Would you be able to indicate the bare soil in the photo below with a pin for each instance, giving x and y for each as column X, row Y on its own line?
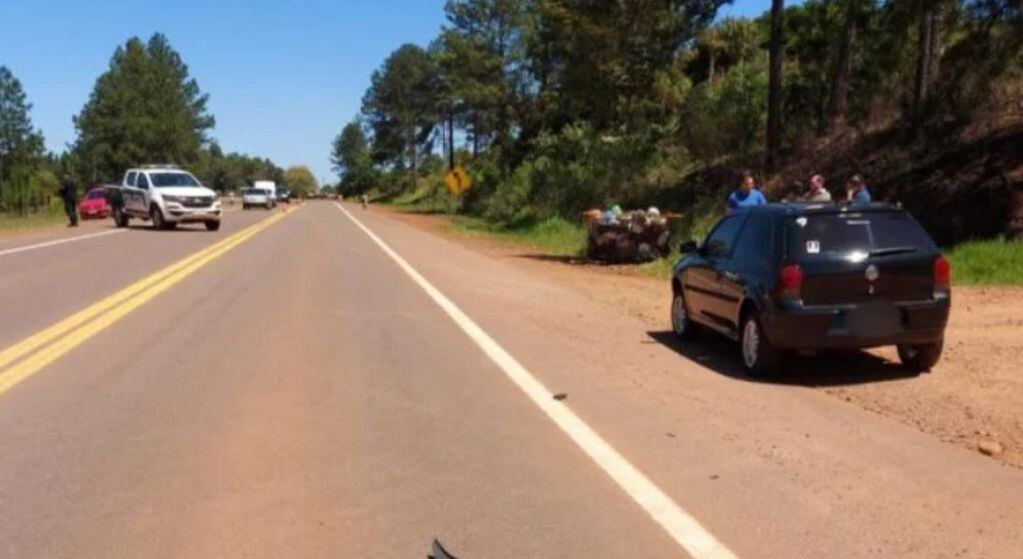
column 973, row 396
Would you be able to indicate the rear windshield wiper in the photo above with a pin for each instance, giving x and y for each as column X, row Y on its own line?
column 892, row 250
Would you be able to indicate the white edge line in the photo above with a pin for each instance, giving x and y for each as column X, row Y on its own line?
column 58, row 242
column 679, row 524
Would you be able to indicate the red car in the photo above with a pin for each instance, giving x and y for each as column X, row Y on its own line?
column 94, row 204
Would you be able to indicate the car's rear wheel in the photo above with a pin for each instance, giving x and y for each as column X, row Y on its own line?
column 156, row 217
column 759, row 357
column 921, row 358
column 212, row 225
column 681, row 325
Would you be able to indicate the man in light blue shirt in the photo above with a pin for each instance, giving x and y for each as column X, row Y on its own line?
column 746, row 196
column 856, row 191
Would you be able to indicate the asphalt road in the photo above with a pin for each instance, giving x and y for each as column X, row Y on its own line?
column 300, row 385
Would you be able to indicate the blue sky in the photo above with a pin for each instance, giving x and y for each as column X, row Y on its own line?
column 283, row 76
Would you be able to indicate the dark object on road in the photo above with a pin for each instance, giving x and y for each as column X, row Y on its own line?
column 561, row 397
column 439, row 552
column 616, row 237
column 69, row 192
column 805, row 277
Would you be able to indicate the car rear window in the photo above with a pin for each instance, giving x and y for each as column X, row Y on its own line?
column 846, row 234
column 254, row 191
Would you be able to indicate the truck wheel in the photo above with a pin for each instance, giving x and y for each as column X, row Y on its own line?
column 120, row 218
column 759, row 357
column 213, row 226
column 156, row 217
column 921, row 358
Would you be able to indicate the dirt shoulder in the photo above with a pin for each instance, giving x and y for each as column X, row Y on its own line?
column 973, row 396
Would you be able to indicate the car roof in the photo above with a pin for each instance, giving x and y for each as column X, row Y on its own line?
column 796, row 209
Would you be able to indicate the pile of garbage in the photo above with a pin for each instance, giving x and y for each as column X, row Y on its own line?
column 626, row 237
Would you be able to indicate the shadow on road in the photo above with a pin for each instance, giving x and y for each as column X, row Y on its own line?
column 828, row 368
column 559, row 258
column 179, row 229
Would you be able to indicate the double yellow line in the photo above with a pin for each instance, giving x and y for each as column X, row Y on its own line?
column 74, row 330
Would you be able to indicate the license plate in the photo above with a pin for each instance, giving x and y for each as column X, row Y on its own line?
column 880, row 318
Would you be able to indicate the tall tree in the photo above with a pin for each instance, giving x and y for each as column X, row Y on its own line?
column 480, row 53
column 145, row 108
column 839, row 103
column 402, row 106
column 352, row 160
column 774, row 101
column 301, row 180
column 601, row 59
column 21, row 146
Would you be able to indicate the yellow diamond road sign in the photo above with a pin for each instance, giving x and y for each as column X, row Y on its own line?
column 458, row 180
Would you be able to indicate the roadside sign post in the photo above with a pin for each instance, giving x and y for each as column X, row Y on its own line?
column 457, row 180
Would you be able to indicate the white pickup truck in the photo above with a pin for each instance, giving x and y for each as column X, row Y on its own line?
column 165, row 196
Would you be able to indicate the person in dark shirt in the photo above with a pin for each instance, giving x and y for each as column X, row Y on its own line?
column 69, row 193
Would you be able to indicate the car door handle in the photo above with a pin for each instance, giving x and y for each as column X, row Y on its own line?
column 732, row 277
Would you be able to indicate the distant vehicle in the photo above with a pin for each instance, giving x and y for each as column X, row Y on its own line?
column 94, row 204
column 165, row 195
column 269, row 186
column 256, row 197
column 800, row 277
column 284, row 195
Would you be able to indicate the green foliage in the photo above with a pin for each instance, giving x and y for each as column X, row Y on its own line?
column 353, row 160
column 726, row 116
column 21, row 147
column 301, row 181
column 401, row 106
column 144, row 109
column 561, row 105
column 994, row 262
column 233, row 171
column 553, row 234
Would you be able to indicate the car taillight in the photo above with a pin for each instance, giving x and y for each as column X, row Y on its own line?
column 790, row 281
column 942, row 275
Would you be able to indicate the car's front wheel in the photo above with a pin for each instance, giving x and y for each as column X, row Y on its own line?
column 759, row 357
column 921, row 358
column 681, row 324
column 156, row 217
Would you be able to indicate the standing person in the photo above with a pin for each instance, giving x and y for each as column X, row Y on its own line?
column 856, row 191
column 365, row 200
column 69, row 193
column 746, row 196
column 817, row 193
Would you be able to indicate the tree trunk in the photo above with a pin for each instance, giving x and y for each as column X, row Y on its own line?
column 774, row 85
column 935, row 45
column 710, row 68
column 843, row 69
column 413, row 158
column 451, row 141
column 923, row 56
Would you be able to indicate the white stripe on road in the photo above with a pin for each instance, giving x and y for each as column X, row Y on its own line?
column 58, row 242
column 679, row 524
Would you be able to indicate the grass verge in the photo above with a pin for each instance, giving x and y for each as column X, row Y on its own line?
column 554, row 235
column 15, row 223
column 993, row 262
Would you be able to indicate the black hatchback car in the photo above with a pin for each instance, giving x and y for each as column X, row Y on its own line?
column 806, row 277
